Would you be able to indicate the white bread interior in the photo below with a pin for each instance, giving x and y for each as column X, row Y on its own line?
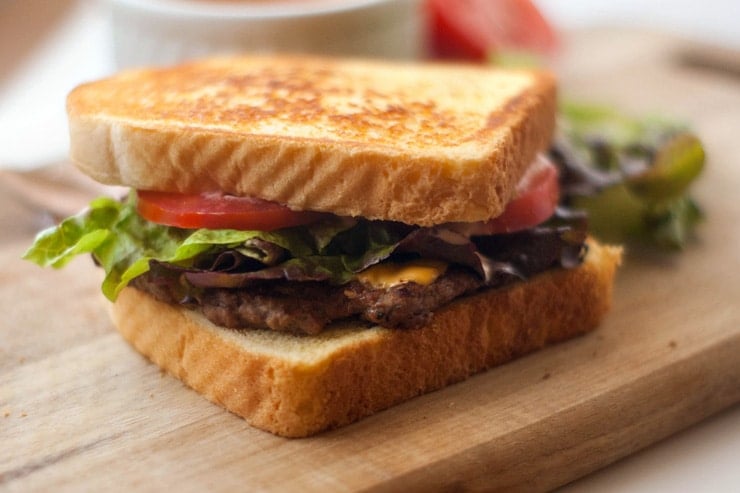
column 297, row 386
column 375, row 139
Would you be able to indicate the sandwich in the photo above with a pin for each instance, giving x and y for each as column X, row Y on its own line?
column 307, row 241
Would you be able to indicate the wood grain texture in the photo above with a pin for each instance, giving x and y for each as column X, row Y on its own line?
column 80, row 409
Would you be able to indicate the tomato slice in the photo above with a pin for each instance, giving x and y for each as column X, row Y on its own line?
column 473, row 29
column 218, row 211
column 537, row 197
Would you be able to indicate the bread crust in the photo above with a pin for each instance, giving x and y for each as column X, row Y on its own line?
column 296, row 386
column 421, row 144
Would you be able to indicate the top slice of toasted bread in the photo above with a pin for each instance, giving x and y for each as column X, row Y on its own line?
column 418, row 143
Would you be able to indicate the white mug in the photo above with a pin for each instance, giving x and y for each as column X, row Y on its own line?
column 157, row 32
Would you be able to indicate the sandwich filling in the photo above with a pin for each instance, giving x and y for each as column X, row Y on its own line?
column 301, row 276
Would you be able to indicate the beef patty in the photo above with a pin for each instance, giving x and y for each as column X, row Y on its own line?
column 308, row 306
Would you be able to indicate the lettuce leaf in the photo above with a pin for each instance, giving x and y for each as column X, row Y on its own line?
column 632, row 175
column 127, row 246
column 120, row 241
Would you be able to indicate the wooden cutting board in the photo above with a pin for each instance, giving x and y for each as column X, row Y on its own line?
column 79, row 409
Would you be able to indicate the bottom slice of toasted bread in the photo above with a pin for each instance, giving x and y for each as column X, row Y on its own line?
column 297, row 386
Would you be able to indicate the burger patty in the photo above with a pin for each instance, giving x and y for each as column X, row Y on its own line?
column 308, row 307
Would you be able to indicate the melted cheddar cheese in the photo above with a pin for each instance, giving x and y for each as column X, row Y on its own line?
column 389, row 274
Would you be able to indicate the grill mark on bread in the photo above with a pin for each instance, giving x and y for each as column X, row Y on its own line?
column 431, row 126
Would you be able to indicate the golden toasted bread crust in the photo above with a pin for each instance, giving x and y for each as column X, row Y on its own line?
column 296, row 386
column 422, row 144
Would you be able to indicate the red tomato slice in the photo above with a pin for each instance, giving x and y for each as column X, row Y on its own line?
column 472, row 29
column 536, row 201
column 218, row 211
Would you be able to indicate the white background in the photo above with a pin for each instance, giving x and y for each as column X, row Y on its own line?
column 716, row 21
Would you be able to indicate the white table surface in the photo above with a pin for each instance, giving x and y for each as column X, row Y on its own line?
column 45, row 52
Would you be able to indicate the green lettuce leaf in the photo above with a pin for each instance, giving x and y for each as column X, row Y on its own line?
column 632, row 175
column 124, row 245
column 127, row 246
column 116, row 236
